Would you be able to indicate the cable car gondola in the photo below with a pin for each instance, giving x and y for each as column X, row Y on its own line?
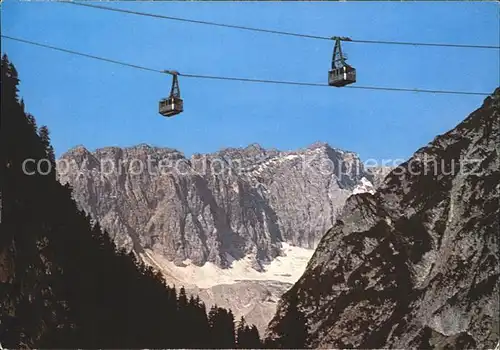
column 173, row 104
column 341, row 73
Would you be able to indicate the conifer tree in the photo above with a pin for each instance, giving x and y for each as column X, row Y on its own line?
column 45, row 139
column 241, row 332
column 247, row 336
column 183, row 302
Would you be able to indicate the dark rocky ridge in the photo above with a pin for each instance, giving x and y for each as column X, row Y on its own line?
column 416, row 264
column 237, row 201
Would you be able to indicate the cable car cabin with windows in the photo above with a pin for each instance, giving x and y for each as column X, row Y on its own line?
column 341, row 73
column 173, row 104
column 342, row 76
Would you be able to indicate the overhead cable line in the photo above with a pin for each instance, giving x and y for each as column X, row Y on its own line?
column 196, row 21
column 236, row 78
column 280, row 32
column 79, row 53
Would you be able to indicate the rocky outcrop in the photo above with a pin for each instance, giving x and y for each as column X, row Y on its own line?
column 414, row 265
column 232, row 203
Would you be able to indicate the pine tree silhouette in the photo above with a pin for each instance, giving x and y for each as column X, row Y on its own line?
column 247, row 337
column 241, row 333
column 43, row 132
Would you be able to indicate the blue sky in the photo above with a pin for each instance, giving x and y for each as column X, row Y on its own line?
column 99, row 104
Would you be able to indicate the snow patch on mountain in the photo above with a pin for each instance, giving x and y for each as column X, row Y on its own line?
column 287, row 269
column 364, row 186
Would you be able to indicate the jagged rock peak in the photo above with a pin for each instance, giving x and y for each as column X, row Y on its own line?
column 78, row 154
column 254, row 147
column 325, row 146
column 77, row 150
column 319, row 144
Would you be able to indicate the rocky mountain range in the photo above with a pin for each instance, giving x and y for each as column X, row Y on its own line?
column 214, row 207
column 414, row 265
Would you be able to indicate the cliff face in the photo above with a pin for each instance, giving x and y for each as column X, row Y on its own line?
column 214, row 207
column 414, row 265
